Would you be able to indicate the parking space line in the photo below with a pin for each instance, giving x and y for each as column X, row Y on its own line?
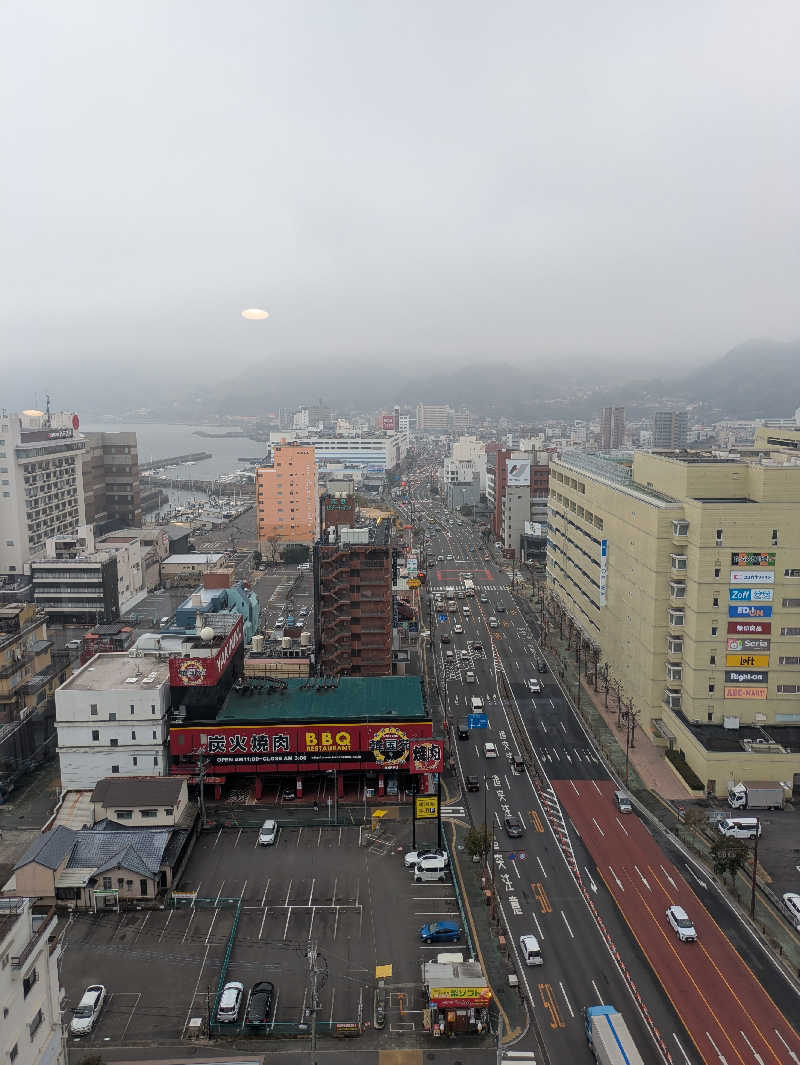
column 288, row 893
column 263, row 922
column 286, row 926
column 238, row 837
column 141, row 926
column 133, row 1010
column 188, row 926
column 219, row 893
column 217, row 838
column 335, row 885
column 333, row 999
column 311, row 923
column 244, row 886
column 336, row 923
column 194, row 993
column 213, row 921
column 299, row 835
column 266, row 889
column 275, row 1008
column 311, row 893
column 319, row 836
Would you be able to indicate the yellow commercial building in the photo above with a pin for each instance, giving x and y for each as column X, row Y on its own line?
column 685, row 571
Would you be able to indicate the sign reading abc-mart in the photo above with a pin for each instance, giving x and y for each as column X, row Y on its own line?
column 250, row 748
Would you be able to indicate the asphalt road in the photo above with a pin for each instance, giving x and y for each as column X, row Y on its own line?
column 548, row 881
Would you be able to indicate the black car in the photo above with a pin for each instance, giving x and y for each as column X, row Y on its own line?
column 444, row 638
column 541, row 665
column 513, row 826
column 259, row 1005
column 473, row 783
column 463, row 729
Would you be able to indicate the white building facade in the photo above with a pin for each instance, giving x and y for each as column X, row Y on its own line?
column 30, row 1032
column 111, row 718
column 41, row 483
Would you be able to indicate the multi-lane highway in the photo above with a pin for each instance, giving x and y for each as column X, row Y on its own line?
column 592, row 885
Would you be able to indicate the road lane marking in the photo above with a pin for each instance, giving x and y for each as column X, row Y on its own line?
column 624, row 829
column 540, row 895
column 539, row 860
column 720, row 1055
column 591, row 881
column 619, row 882
column 549, row 1003
column 566, row 922
column 756, row 1055
column 642, row 878
column 792, row 1054
column 564, row 993
column 599, row 829
column 666, row 874
column 536, row 821
column 266, row 889
column 685, row 1055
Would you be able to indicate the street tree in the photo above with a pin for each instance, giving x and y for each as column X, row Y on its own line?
column 477, row 841
column 728, row 855
column 273, row 543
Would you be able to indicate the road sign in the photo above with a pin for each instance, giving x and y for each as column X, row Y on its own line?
column 441, row 617
column 427, row 806
column 478, row 720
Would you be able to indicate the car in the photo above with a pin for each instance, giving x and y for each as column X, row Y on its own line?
column 288, row 794
column 472, row 782
column 494, row 623
column 281, row 620
column 466, row 576
column 485, row 558
column 449, row 558
column 259, row 1004
column 458, row 629
column 541, row 665
column 444, row 638
column 449, row 655
column 484, row 597
column 791, row 905
column 682, row 926
column 85, row 1014
column 412, row 857
column 500, row 607
column 467, row 611
column 73, row 645
column 230, row 1002
column 531, row 951
column 489, row 750
column 534, row 686
column 513, row 826
column 462, row 728
column 268, row 833
column 440, row 932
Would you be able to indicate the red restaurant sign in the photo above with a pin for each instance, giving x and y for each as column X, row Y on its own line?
column 409, row 746
column 193, row 672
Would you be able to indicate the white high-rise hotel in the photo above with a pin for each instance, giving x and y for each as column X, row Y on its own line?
column 41, row 483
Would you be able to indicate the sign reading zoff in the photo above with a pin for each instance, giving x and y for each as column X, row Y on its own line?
column 752, row 576
column 753, row 558
column 750, row 595
column 427, row 806
column 603, row 570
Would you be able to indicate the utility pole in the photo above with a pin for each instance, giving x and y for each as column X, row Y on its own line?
column 755, row 870
column 317, row 972
column 201, row 772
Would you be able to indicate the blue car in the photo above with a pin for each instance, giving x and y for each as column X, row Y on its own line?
column 440, row 932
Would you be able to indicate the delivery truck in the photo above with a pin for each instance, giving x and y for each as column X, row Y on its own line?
column 755, row 795
column 608, row 1037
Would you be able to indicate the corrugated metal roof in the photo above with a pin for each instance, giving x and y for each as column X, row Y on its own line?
column 346, row 699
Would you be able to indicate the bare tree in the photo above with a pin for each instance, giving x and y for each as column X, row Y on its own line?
column 273, row 541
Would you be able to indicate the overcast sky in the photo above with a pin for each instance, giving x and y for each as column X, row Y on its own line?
column 433, row 180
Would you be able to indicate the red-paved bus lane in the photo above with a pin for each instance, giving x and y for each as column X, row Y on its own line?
column 729, row 1016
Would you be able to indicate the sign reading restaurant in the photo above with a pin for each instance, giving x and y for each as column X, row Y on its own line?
column 753, row 558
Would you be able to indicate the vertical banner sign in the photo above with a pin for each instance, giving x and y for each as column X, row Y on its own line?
column 603, row 570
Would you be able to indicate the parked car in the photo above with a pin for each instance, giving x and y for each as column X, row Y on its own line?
column 85, row 1014
column 412, row 857
column 530, row 949
column 440, row 932
column 230, row 1002
column 791, row 906
column 472, row 782
column 682, row 926
column 73, row 645
column 259, row 1004
column 513, row 826
column 489, row 750
column 281, row 620
column 268, row 833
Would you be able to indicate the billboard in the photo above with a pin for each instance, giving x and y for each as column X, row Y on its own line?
column 427, row 806
column 371, row 746
column 746, row 676
column 753, row 558
column 750, row 595
column 743, row 644
column 519, row 474
column 387, row 422
column 205, row 671
column 453, row 998
column 29, row 436
column 745, row 693
column 745, row 659
column 749, row 611
column 749, row 628
column 752, row 576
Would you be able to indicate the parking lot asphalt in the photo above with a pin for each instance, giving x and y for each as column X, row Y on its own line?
column 343, row 889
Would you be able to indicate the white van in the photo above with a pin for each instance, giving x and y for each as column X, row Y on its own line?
column 530, row 950
column 469, row 677
column 494, row 623
column 740, row 827
column 430, row 869
column 476, row 704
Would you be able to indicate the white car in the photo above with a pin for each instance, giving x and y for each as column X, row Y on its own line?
column 85, row 1014
column 230, row 1002
column 412, row 857
column 791, row 904
column 268, row 833
column 281, row 620
column 682, row 926
column 489, row 750
column 534, row 686
column 530, row 950
column 458, row 629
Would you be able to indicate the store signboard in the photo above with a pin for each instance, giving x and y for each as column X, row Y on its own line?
column 746, row 676
column 749, row 628
column 603, row 570
column 745, row 693
column 427, row 806
column 753, row 558
column 752, row 576
column 742, row 611
column 750, row 595
column 747, row 661
column 742, row 643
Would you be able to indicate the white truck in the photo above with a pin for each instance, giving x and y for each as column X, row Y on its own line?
column 755, row 795
column 608, row 1037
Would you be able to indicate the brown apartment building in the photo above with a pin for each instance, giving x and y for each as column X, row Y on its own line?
column 288, row 497
column 111, row 481
column 353, row 596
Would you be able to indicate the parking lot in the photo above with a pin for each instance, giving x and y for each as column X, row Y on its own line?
column 341, row 889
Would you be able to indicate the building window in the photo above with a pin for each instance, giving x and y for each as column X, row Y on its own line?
column 113, row 742
column 115, row 769
column 148, row 813
column 152, row 708
column 790, row 630
column 710, row 716
column 93, row 708
column 788, row 689
column 155, row 760
column 674, row 645
column 789, row 660
column 167, row 811
column 33, row 1027
column 712, row 660
column 715, row 601
column 719, row 536
column 680, row 528
column 154, row 734
column 679, row 562
column 714, row 629
column 112, row 717
column 133, row 734
column 676, row 617
column 106, row 883
column 711, row 687
column 135, row 760
column 791, row 604
column 28, row 982
column 716, row 571
column 123, row 815
column 95, row 734
column 791, row 573
column 774, row 537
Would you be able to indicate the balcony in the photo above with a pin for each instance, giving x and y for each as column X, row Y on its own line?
column 675, row 618
column 677, row 589
column 672, row 699
column 679, row 563
column 674, row 673
column 674, row 646
column 680, row 530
